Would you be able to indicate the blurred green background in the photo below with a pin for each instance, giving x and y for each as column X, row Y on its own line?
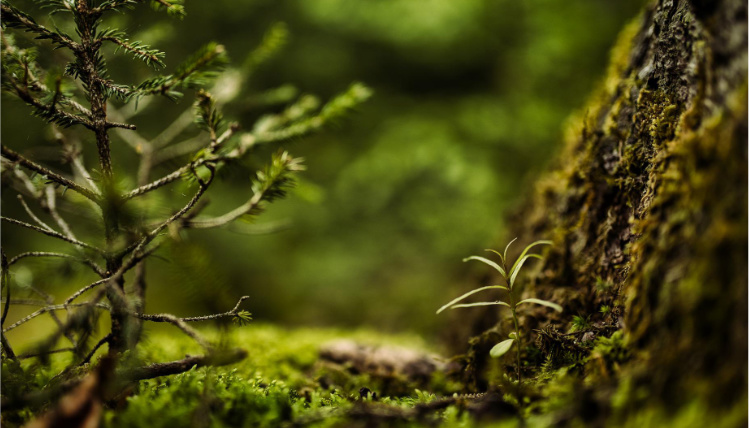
column 469, row 101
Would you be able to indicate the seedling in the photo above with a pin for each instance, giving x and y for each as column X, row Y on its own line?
column 513, row 293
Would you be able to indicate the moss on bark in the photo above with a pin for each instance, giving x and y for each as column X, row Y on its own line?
column 647, row 206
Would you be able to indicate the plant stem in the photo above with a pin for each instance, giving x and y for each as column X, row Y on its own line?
column 514, row 318
column 517, row 336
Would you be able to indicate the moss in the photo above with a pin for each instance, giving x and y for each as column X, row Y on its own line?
column 649, row 197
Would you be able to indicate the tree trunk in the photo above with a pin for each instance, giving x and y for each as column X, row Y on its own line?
column 647, row 208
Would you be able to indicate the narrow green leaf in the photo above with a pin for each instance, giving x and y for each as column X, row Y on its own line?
column 552, row 305
column 470, row 305
column 489, row 262
column 454, row 301
column 514, row 272
column 508, row 247
column 525, row 251
column 501, row 257
column 501, row 348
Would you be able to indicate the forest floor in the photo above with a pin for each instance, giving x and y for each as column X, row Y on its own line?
column 294, row 377
column 325, row 377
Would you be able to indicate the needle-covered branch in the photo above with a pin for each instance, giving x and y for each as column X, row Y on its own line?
column 14, row 18
column 269, row 185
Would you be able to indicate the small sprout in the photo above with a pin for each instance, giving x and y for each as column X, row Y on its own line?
column 580, row 323
column 605, row 309
column 501, row 348
column 509, row 275
column 242, row 318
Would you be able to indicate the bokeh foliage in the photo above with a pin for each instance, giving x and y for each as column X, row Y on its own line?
column 469, row 100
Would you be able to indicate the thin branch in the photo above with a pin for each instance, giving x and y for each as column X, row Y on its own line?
column 46, row 309
column 166, row 317
column 52, row 209
column 180, row 149
column 33, row 216
column 180, row 366
column 232, row 215
column 137, row 50
column 167, row 179
column 16, row 18
column 47, row 111
column 57, row 178
column 174, row 129
column 96, row 268
column 7, row 348
column 39, row 354
column 75, row 295
column 133, row 261
column 50, row 233
column 120, row 125
column 135, row 248
column 21, row 176
column 179, row 323
column 5, row 285
column 96, row 347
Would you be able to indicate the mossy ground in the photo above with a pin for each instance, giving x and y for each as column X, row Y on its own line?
column 283, row 382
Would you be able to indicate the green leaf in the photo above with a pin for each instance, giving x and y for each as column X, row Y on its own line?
column 470, row 305
column 508, row 247
column 489, row 262
column 525, row 251
column 514, row 272
column 552, row 305
column 501, row 257
column 454, row 301
column 501, row 348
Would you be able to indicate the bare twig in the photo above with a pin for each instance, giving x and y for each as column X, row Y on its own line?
column 180, row 366
column 166, row 317
column 179, row 323
column 7, row 348
column 96, row 347
column 232, row 215
column 167, row 179
column 50, row 233
column 52, row 209
column 135, row 248
column 46, row 309
column 33, row 216
column 96, row 268
column 174, row 129
column 39, row 354
column 57, row 178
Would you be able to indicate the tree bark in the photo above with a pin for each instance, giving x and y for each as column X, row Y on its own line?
column 647, row 208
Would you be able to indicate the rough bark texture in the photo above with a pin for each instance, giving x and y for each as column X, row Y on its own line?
column 647, row 206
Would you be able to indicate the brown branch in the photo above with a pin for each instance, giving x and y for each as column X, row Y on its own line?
column 63, row 116
column 135, row 248
column 168, row 317
column 7, row 348
column 39, row 354
column 57, row 178
column 96, row 347
column 180, row 366
column 51, row 233
column 167, row 179
column 13, row 16
column 96, row 268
